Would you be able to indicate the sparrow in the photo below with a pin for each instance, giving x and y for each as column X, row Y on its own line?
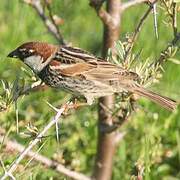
column 81, row 73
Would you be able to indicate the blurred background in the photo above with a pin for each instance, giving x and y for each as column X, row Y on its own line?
column 152, row 139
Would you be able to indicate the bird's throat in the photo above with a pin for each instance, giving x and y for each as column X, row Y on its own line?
column 35, row 63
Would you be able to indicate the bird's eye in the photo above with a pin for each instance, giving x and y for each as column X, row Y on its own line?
column 26, row 52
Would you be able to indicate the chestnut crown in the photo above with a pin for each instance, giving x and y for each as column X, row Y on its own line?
column 34, row 54
column 28, row 49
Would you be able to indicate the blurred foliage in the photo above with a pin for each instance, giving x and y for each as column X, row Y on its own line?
column 152, row 141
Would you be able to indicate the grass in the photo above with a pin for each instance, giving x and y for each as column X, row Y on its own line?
column 152, row 141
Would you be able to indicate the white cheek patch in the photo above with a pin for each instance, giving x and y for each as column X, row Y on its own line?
column 35, row 63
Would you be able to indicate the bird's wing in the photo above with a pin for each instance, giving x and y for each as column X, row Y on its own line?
column 76, row 62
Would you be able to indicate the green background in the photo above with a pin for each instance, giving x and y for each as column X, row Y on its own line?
column 152, row 135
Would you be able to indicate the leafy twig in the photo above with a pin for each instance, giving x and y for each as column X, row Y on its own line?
column 35, row 141
column 13, row 91
column 15, row 146
column 166, row 53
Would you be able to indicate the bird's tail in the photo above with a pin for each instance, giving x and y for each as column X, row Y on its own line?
column 159, row 99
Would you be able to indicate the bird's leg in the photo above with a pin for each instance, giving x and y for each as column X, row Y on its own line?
column 79, row 104
column 75, row 104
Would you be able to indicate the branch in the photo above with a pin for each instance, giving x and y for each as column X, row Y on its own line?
column 36, row 86
column 102, row 13
column 107, row 142
column 105, row 17
column 50, row 24
column 14, row 165
column 131, row 3
column 15, row 146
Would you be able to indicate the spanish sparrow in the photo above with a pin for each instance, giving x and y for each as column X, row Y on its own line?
column 80, row 72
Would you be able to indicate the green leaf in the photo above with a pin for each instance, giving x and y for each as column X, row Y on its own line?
column 120, row 49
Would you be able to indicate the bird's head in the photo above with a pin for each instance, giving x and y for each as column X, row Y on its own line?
column 34, row 54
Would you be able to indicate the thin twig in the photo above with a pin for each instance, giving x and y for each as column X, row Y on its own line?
column 50, row 25
column 17, row 116
column 164, row 54
column 174, row 18
column 138, row 28
column 136, row 32
column 155, row 20
column 35, row 141
column 15, row 146
column 172, row 14
column 33, row 157
column 3, row 166
column 167, row 8
column 52, row 19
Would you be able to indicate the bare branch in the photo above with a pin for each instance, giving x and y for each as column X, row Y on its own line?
column 15, row 146
column 102, row 13
column 14, row 165
column 131, row 3
column 105, row 17
column 50, row 25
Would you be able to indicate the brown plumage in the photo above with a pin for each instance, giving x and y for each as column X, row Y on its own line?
column 80, row 72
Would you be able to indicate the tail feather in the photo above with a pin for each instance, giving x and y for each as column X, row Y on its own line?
column 159, row 99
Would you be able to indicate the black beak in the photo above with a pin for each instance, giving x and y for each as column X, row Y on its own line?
column 13, row 54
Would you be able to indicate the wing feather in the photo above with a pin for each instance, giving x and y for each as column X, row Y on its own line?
column 77, row 62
